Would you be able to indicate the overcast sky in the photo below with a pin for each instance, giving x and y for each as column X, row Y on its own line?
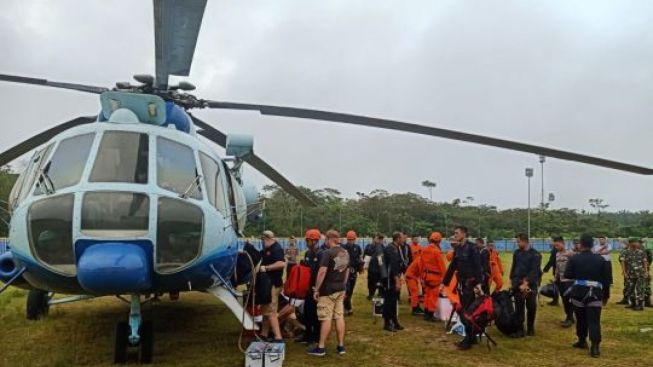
column 574, row 75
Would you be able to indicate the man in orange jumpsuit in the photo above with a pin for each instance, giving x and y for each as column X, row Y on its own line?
column 496, row 268
column 433, row 269
column 414, row 276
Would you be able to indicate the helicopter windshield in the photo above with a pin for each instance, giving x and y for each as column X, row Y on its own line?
column 179, row 234
column 115, row 214
column 67, row 164
column 176, row 169
column 50, row 228
column 122, row 157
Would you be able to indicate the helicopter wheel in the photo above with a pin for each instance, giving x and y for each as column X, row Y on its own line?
column 147, row 342
column 37, row 304
column 121, row 346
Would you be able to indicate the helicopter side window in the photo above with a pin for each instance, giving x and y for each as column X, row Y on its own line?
column 51, row 232
column 176, row 169
column 179, row 234
column 122, row 157
column 214, row 187
column 24, row 185
column 115, row 214
column 66, row 166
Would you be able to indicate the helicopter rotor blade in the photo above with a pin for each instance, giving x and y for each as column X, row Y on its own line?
column 176, row 27
column 429, row 130
column 48, row 83
column 255, row 161
column 16, row 151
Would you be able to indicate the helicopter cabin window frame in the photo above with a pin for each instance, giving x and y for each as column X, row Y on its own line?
column 215, row 188
column 101, row 213
column 178, row 244
column 122, row 157
column 26, row 180
column 48, row 217
column 169, row 163
column 66, row 164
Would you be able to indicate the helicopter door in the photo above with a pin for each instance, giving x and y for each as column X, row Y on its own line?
column 232, row 198
column 214, row 184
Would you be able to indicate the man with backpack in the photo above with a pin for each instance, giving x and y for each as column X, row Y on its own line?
column 373, row 261
column 330, row 293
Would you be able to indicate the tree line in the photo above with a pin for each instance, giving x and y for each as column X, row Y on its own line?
column 382, row 212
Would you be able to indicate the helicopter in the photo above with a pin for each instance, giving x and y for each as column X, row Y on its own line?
column 133, row 201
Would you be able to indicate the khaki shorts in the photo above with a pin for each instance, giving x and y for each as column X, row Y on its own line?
column 271, row 308
column 331, row 307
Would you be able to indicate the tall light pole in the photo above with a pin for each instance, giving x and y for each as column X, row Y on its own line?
column 542, row 160
column 529, row 174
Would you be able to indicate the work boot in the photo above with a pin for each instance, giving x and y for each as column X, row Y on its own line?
column 389, row 326
column 647, row 303
column 517, row 334
column 580, row 344
column 417, row 311
column 530, row 332
column 632, row 304
column 623, row 301
column 639, row 306
column 398, row 325
column 464, row 344
column 594, row 350
column 567, row 323
column 428, row 316
column 553, row 303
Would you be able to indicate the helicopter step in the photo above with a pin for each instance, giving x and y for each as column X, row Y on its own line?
column 230, row 300
column 135, row 337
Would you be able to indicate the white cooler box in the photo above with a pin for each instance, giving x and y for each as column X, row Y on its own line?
column 260, row 354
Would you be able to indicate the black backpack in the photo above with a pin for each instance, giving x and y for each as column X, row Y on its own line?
column 505, row 317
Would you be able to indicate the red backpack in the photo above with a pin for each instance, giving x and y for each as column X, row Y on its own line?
column 298, row 283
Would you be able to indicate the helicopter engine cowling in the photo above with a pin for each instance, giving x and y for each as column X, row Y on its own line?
column 9, row 269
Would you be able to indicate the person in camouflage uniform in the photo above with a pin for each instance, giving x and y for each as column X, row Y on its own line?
column 635, row 266
column 624, row 300
column 647, row 281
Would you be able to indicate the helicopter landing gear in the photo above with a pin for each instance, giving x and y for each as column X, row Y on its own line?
column 134, row 338
column 37, row 304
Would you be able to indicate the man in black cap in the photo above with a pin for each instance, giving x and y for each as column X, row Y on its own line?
column 590, row 291
column 525, row 280
column 466, row 263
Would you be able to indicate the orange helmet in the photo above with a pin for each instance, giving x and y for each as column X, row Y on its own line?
column 435, row 237
column 313, row 234
column 351, row 235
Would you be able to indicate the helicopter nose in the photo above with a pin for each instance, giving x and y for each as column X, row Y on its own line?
column 114, row 268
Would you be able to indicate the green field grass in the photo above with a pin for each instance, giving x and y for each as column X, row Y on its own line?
column 199, row 331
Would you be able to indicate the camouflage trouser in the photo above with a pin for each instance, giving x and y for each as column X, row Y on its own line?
column 647, row 288
column 626, row 287
column 636, row 288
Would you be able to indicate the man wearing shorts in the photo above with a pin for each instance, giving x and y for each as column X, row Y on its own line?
column 273, row 264
column 330, row 292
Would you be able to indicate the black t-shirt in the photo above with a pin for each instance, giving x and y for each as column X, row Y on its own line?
column 336, row 260
column 270, row 256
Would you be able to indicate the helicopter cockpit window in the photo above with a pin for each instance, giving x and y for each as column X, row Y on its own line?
column 179, row 234
column 66, row 166
column 51, row 232
column 115, row 214
column 176, row 169
column 214, row 186
column 122, row 157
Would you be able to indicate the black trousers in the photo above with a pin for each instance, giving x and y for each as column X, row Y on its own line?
column 526, row 306
column 588, row 321
column 566, row 301
column 390, row 299
column 466, row 298
column 311, row 322
column 557, row 292
column 351, row 283
column 372, row 283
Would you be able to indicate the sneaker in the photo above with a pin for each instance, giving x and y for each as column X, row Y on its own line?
column 341, row 349
column 316, row 351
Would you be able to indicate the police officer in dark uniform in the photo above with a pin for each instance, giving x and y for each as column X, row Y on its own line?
column 394, row 262
column 355, row 265
column 525, row 279
column 373, row 252
column 485, row 264
column 466, row 263
column 551, row 264
column 590, row 291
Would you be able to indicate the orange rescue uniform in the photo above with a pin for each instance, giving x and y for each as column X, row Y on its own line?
column 496, row 270
column 433, row 270
column 413, row 275
column 451, row 291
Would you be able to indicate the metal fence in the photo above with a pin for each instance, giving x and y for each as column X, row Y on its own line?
column 505, row 245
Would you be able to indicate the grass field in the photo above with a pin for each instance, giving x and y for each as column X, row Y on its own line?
column 199, row 331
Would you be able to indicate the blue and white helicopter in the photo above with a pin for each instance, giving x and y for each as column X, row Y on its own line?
column 133, row 203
